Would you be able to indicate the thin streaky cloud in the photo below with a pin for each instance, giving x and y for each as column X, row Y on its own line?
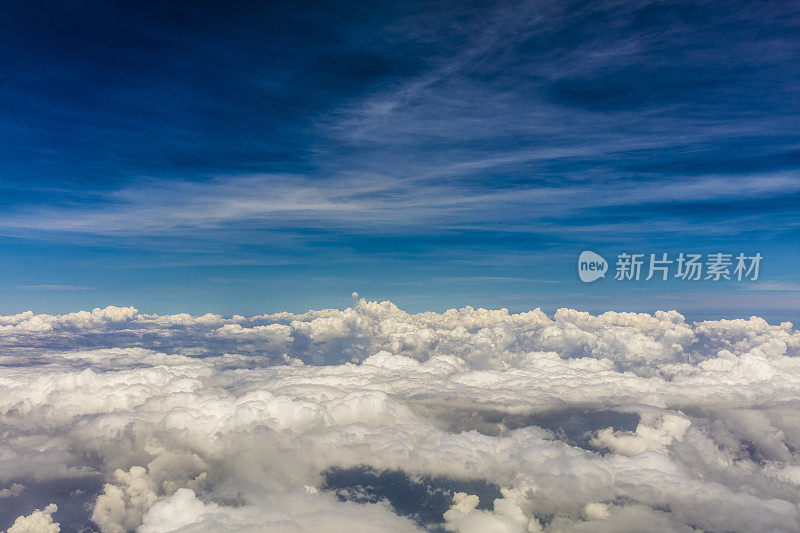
column 781, row 286
column 55, row 287
column 163, row 207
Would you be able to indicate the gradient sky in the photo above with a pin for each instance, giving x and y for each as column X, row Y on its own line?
column 252, row 157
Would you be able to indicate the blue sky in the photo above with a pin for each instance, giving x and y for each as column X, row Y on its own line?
column 270, row 156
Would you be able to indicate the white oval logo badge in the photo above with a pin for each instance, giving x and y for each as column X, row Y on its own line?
column 591, row 266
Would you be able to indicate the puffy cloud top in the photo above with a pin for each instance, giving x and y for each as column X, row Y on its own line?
column 584, row 423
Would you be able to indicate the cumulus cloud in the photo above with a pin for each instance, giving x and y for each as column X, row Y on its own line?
column 121, row 505
column 39, row 521
column 581, row 422
column 13, row 491
column 175, row 512
column 296, row 511
column 657, row 435
column 507, row 517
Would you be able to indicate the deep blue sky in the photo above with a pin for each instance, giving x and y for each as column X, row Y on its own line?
column 261, row 156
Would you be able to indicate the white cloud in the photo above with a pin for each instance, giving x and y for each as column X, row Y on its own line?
column 121, row 505
column 179, row 510
column 656, row 435
column 295, row 511
column 13, row 491
column 39, row 521
column 507, row 517
column 239, row 437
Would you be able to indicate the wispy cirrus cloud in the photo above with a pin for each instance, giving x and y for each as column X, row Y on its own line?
column 55, row 287
column 520, row 115
column 779, row 286
column 388, row 131
column 384, row 205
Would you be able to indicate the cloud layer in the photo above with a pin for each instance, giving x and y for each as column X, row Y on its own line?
column 578, row 422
